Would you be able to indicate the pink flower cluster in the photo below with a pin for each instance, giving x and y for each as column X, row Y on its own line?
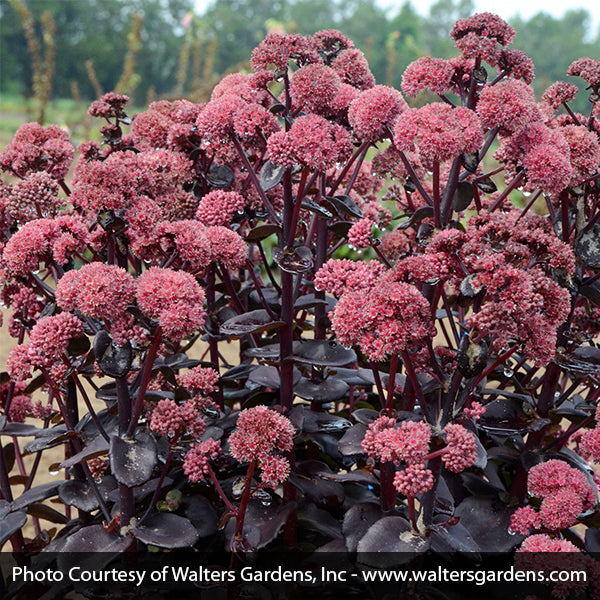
column 97, row 290
column 260, row 435
column 196, row 463
column 338, row 275
column 171, row 419
column 586, row 68
column 36, row 148
column 408, row 443
column 565, row 493
column 45, row 240
column 426, row 73
column 219, row 207
column 172, row 297
column 390, row 318
column 199, row 380
column 461, row 448
column 438, row 131
column 47, row 346
column 33, row 198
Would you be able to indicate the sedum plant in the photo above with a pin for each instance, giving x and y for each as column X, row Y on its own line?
column 414, row 291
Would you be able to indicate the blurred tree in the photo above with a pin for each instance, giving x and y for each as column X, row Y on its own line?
column 96, row 30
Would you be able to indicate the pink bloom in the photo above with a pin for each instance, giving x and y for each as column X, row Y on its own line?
column 548, row 168
column 554, row 475
column 374, row 111
column 584, row 152
column 186, row 239
column 259, row 432
column 44, row 240
column 280, row 148
column 517, row 64
column 36, row 148
column 277, row 49
column 98, row 467
column 196, row 463
column 338, row 275
column 314, row 88
column 408, row 443
column 475, row 411
column 589, row 444
column 461, row 446
column 166, row 418
column 586, row 68
column 352, row 66
column 20, row 408
column 226, row 247
column 509, row 105
column 426, row 73
column 359, row 235
column 331, row 42
column 561, row 509
column 33, row 198
column 174, row 298
column 559, row 92
column 97, row 290
column 414, row 480
column 484, row 24
column 253, row 124
column 318, row 144
column 524, row 519
column 110, row 105
column 215, row 123
column 541, row 542
column 219, row 207
column 199, row 380
column 439, row 131
column 192, row 419
column 274, row 471
column 242, row 85
column 473, row 45
column 391, row 318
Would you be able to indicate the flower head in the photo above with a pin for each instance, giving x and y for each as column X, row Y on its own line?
column 509, row 105
column 314, row 88
column 415, row 479
column 196, row 463
column 461, row 448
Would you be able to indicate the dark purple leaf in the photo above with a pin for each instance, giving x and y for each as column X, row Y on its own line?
column 309, row 301
column 133, row 460
column 394, row 537
column 10, row 524
column 166, row 530
column 319, row 210
column 95, row 539
column 504, row 416
column 468, row 289
column 35, row 384
column 345, row 204
column 201, row 514
column 293, row 260
column 113, row 360
column 323, row 353
column 270, row 175
column 43, row 511
column 54, row 437
column 592, row 540
column 341, row 228
column 220, row 176
column 254, row 321
column 357, row 476
column 583, row 360
column 36, row 494
column 319, row 520
column 78, row 494
column 20, row 430
column 470, row 161
column 463, row 196
column 488, row 521
column 9, row 456
column 365, row 415
column 5, row 508
column 141, row 491
column 350, row 443
column 268, row 520
column 326, row 494
column 97, row 447
column 587, row 247
column 455, row 538
column 421, row 213
column 314, row 422
column 329, row 390
column 79, row 346
column 260, row 232
column 357, row 522
column 487, row 185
